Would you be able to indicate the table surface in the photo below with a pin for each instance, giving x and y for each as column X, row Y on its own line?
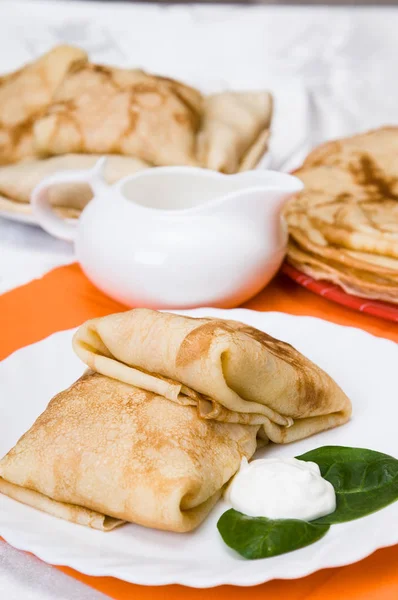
column 345, row 57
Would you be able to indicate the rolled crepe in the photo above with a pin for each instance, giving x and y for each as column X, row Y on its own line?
column 25, row 93
column 235, row 130
column 105, row 110
column 18, row 181
column 233, row 373
column 104, row 452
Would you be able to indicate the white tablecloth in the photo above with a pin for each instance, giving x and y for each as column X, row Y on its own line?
column 344, row 58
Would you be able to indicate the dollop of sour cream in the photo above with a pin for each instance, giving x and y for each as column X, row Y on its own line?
column 281, row 488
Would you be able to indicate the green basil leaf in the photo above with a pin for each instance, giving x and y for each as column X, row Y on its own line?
column 258, row 537
column 364, row 480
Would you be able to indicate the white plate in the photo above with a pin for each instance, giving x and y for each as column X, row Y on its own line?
column 18, row 217
column 365, row 367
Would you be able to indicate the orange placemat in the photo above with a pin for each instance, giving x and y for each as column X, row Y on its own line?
column 64, row 298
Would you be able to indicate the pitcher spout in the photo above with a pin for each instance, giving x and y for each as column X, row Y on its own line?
column 263, row 194
column 273, row 180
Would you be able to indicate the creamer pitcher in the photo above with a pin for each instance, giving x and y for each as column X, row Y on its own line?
column 176, row 237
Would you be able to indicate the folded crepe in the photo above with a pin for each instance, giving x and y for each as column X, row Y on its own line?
column 104, row 452
column 164, row 122
column 235, row 130
column 159, row 424
column 25, row 93
column 18, row 181
column 231, row 372
column 105, row 110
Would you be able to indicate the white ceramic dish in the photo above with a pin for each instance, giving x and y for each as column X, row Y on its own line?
column 175, row 237
column 200, row 559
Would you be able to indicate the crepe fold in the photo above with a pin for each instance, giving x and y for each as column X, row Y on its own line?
column 235, row 130
column 104, row 452
column 231, row 372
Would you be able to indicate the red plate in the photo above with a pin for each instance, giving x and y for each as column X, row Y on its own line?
column 383, row 310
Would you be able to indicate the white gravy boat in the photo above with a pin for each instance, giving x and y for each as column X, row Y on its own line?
column 176, row 237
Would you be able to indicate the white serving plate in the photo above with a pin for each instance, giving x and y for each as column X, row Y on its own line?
column 365, row 367
column 18, row 217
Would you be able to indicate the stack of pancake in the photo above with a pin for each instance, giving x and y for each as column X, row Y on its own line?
column 344, row 225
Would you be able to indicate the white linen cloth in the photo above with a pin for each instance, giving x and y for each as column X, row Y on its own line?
column 333, row 69
column 25, row 577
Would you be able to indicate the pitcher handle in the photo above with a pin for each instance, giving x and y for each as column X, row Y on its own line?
column 44, row 211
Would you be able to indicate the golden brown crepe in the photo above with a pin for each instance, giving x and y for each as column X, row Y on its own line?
column 104, row 452
column 230, row 371
column 344, row 225
column 108, row 110
column 104, row 110
column 235, row 130
column 25, row 93
column 380, row 145
column 153, row 432
column 18, row 181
